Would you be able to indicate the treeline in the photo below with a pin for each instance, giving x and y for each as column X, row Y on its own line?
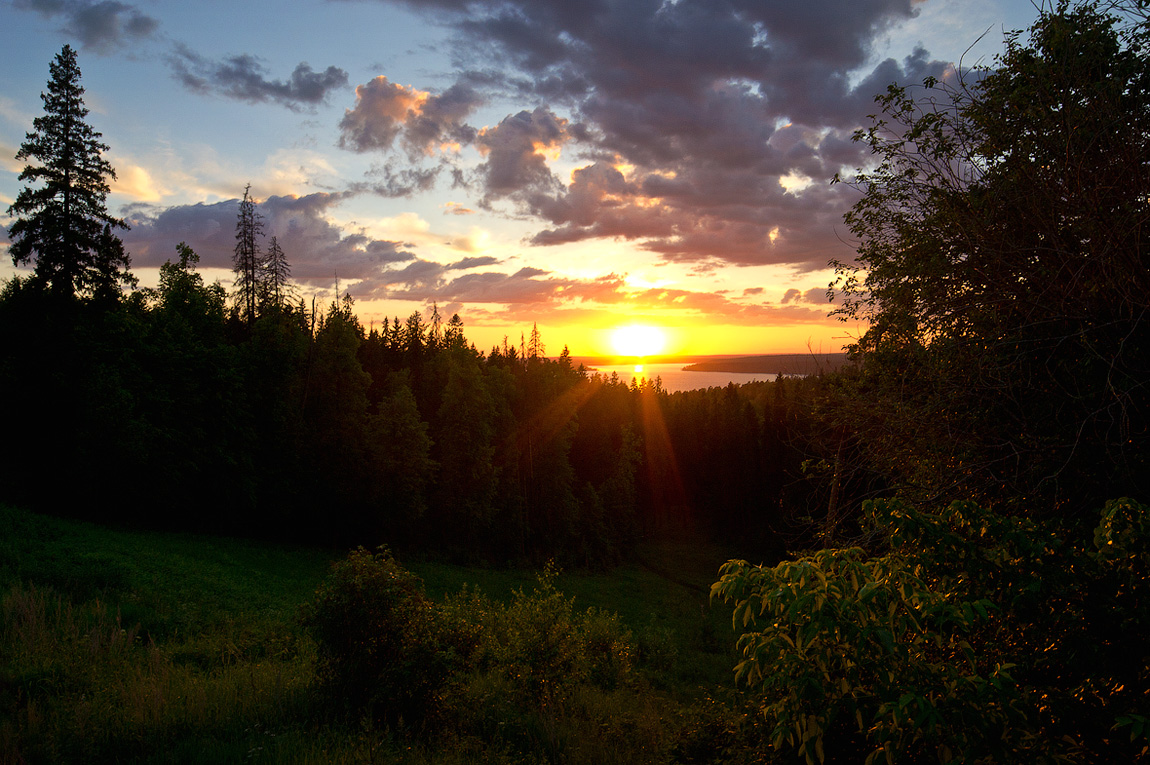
column 165, row 408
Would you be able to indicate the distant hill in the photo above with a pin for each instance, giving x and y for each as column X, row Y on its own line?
column 773, row 363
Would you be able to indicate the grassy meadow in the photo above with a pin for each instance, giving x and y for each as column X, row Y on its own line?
column 126, row 646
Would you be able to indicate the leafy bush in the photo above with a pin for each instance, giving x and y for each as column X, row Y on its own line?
column 381, row 644
column 974, row 636
column 544, row 647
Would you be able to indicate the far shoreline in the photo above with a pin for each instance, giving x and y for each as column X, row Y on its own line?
column 770, row 363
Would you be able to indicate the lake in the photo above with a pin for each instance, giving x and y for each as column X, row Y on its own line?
column 675, row 379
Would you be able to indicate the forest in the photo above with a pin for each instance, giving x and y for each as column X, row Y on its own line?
column 936, row 552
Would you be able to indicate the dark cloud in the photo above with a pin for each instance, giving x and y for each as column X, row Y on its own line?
column 527, row 286
column 99, row 26
column 385, row 111
column 318, row 250
column 516, row 151
column 477, row 262
column 815, row 295
column 720, row 111
column 752, row 291
column 387, row 181
column 244, row 78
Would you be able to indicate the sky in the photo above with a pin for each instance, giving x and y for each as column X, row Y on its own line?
column 578, row 165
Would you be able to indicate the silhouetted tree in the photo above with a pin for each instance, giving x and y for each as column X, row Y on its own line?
column 64, row 224
column 1002, row 271
column 276, row 275
column 248, row 261
column 535, row 347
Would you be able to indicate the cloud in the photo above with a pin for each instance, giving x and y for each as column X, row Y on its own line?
column 136, row 183
column 8, row 161
column 100, row 26
column 536, row 294
column 391, row 182
column 729, row 117
column 469, row 263
column 815, row 295
column 318, row 249
column 517, row 150
column 475, row 240
column 385, row 111
column 528, row 286
column 244, row 78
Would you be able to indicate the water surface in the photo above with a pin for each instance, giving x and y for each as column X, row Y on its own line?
column 675, row 379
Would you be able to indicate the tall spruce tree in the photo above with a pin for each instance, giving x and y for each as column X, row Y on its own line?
column 248, row 260
column 276, row 273
column 62, row 221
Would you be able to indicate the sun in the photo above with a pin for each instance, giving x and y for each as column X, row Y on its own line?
column 638, row 340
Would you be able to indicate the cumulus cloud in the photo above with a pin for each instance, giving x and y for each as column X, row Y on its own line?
column 318, row 249
column 517, row 150
column 101, row 26
column 244, row 78
column 730, row 117
column 385, row 111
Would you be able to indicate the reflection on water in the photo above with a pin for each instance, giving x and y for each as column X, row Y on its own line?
column 675, row 379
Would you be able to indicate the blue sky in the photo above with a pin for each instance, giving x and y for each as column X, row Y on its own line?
column 576, row 163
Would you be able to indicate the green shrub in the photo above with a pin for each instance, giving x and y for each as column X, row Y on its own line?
column 381, row 645
column 975, row 636
column 544, row 647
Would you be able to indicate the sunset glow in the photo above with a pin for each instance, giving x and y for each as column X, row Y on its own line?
column 638, row 340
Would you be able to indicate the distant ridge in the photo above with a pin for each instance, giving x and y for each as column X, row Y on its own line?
column 774, row 363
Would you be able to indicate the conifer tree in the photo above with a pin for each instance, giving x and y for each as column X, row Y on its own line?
column 435, row 329
column 535, row 347
column 453, row 336
column 247, row 262
column 276, row 273
column 64, row 223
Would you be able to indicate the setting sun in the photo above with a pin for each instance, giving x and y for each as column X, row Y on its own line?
column 638, row 340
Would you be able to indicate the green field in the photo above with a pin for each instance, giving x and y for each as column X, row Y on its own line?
column 127, row 646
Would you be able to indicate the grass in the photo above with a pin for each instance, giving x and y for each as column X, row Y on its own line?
column 123, row 646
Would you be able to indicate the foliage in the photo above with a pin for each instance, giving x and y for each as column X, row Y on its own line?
column 380, row 642
column 1002, row 237
column 974, row 636
column 64, row 224
column 544, row 648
